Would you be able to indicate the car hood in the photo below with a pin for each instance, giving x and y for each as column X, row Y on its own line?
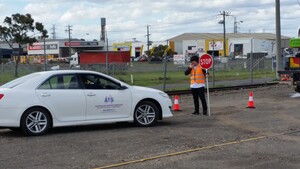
column 140, row 88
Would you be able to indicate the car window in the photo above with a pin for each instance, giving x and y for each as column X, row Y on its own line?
column 61, row 82
column 92, row 81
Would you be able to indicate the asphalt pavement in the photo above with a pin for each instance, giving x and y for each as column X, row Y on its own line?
column 267, row 136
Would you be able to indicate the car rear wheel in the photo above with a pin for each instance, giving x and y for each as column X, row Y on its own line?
column 35, row 121
column 146, row 114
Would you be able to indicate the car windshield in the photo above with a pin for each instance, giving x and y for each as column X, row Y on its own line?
column 19, row 81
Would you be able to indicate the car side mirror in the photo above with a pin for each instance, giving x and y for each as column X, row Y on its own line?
column 122, row 87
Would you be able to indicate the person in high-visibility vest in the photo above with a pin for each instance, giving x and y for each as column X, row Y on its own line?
column 197, row 84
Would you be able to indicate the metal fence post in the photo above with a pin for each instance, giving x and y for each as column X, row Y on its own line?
column 165, row 73
column 251, row 61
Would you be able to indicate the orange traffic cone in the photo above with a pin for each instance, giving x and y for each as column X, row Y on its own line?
column 176, row 104
column 251, row 101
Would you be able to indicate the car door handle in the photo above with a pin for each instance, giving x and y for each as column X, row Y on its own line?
column 45, row 94
column 91, row 94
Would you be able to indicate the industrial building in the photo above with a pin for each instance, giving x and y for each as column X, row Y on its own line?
column 136, row 48
column 54, row 49
column 236, row 44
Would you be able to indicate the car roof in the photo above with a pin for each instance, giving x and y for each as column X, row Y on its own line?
column 36, row 80
column 67, row 71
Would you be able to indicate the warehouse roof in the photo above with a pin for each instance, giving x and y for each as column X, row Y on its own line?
column 197, row 36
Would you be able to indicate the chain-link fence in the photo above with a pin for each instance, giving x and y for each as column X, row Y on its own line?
column 165, row 75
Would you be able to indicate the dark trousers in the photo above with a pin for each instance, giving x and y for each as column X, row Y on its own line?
column 199, row 93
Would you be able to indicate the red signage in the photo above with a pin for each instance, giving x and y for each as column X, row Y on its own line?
column 41, row 47
column 35, row 47
column 206, row 61
column 72, row 43
column 82, row 43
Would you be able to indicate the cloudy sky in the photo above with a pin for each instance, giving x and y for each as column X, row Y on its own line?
column 128, row 19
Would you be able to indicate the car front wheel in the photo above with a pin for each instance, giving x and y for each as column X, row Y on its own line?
column 35, row 121
column 146, row 114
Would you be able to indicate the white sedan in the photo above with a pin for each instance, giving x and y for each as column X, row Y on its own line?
column 39, row 101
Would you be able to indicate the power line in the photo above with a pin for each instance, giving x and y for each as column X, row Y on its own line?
column 166, row 25
column 190, row 21
column 170, row 26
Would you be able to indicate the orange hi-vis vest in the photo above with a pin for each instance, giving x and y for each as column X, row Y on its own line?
column 197, row 76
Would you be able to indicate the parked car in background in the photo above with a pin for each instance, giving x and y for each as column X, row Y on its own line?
column 136, row 59
column 155, row 59
column 169, row 59
column 143, row 59
column 39, row 101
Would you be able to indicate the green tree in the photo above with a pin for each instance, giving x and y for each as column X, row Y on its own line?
column 19, row 29
column 161, row 50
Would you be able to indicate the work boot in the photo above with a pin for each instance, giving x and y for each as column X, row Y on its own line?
column 195, row 113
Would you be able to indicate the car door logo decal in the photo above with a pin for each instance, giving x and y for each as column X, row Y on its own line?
column 109, row 99
column 109, row 106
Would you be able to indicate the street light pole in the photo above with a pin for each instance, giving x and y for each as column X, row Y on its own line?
column 235, row 26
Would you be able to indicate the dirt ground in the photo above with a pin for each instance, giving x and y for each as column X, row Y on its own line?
column 232, row 137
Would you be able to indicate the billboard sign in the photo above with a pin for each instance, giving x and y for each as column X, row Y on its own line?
column 215, row 45
column 179, row 59
column 38, row 48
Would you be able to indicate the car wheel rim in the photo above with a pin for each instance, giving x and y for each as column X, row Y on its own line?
column 36, row 122
column 145, row 114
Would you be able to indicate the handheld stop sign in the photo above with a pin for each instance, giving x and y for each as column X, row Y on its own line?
column 206, row 62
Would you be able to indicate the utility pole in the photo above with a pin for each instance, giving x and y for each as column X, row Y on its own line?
column 69, row 32
column 53, row 32
column 44, row 36
column 103, row 30
column 148, row 42
column 278, row 39
column 224, row 13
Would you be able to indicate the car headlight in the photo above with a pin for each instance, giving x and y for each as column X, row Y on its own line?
column 163, row 94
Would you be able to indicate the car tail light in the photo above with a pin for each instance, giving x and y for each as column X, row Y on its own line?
column 1, row 96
